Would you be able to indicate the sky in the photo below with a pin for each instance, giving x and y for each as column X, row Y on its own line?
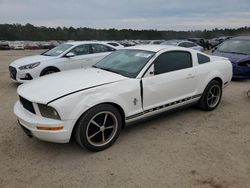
column 128, row 14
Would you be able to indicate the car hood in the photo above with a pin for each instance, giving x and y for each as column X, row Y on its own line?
column 48, row 88
column 234, row 58
column 31, row 59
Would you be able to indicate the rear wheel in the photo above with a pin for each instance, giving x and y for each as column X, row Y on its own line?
column 98, row 128
column 211, row 96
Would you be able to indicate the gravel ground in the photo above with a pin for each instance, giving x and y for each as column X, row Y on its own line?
column 185, row 148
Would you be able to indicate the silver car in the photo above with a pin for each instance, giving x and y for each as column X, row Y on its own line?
column 184, row 43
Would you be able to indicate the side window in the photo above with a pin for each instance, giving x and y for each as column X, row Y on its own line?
column 81, row 50
column 113, row 44
column 202, row 58
column 172, row 61
column 99, row 48
column 182, row 44
column 190, row 44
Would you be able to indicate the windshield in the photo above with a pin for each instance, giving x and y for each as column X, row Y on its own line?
column 125, row 62
column 170, row 42
column 58, row 50
column 236, row 46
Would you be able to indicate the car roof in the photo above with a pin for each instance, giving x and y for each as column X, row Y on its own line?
column 241, row 38
column 156, row 48
column 85, row 42
column 178, row 40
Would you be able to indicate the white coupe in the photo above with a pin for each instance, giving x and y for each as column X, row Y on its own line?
column 94, row 104
column 70, row 55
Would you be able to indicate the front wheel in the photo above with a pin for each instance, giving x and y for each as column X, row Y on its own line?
column 98, row 128
column 49, row 70
column 211, row 96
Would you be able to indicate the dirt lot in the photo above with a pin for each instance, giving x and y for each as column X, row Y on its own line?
column 186, row 148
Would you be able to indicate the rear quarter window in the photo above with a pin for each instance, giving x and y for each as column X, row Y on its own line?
column 203, row 58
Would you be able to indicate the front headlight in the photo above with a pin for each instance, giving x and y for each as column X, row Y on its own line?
column 29, row 66
column 48, row 111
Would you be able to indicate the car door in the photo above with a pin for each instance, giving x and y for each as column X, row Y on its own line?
column 182, row 44
column 170, row 78
column 80, row 55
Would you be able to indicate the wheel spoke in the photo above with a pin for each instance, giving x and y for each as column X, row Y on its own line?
column 103, row 136
column 96, row 124
column 211, row 102
column 105, row 119
column 110, row 127
column 93, row 135
column 213, row 90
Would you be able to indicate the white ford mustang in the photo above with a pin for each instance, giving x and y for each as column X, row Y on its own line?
column 70, row 55
column 94, row 104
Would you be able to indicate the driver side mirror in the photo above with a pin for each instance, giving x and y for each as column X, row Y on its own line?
column 70, row 54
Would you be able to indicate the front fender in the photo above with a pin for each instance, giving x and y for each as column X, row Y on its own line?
column 96, row 99
column 73, row 106
column 123, row 94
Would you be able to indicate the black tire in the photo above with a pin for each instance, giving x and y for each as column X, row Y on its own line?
column 84, row 126
column 205, row 100
column 49, row 70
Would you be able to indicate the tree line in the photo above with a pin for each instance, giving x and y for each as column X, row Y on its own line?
column 42, row 33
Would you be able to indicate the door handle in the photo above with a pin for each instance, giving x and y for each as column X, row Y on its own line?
column 190, row 76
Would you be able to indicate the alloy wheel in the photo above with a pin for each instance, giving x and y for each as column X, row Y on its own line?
column 101, row 128
column 214, row 95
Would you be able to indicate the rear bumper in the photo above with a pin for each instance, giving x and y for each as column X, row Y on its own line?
column 30, row 122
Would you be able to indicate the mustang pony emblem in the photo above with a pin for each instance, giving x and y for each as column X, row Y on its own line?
column 135, row 101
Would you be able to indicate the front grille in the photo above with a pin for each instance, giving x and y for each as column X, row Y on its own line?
column 27, row 105
column 12, row 72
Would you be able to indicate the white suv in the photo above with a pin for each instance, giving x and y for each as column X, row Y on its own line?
column 70, row 55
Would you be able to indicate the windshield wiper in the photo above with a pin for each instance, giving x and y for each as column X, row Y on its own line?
column 106, row 69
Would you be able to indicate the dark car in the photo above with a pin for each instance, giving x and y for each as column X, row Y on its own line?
column 237, row 50
column 217, row 41
column 199, row 41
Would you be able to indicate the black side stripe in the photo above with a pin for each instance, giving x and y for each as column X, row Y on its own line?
column 79, row 91
column 163, row 106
